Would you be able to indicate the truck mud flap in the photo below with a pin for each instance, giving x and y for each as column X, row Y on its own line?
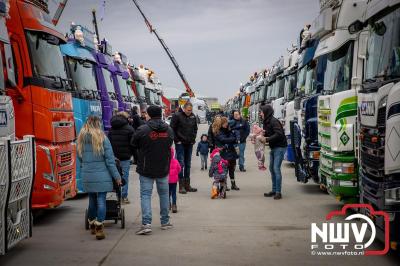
column 295, row 135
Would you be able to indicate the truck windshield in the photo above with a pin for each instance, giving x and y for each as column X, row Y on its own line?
column 140, row 89
column 46, row 57
column 290, row 86
column 383, row 52
column 309, row 86
column 123, row 86
column 270, row 90
column 83, row 75
column 301, row 78
column 338, row 69
column 149, row 96
column 279, row 88
column 262, row 93
column 108, row 79
column 243, row 100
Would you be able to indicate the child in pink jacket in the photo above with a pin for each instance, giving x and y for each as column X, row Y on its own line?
column 174, row 170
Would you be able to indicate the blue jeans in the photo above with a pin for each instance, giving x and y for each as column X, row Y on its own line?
column 184, row 156
column 204, row 158
column 146, row 190
column 172, row 193
column 242, row 148
column 275, row 162
column 125, row 165
column 97, row 206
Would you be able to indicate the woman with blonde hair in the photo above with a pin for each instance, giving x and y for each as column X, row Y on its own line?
column 226, row 140
column 98, row 169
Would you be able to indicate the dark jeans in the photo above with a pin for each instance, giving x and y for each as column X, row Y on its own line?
column 184, row 156
column 97, row 206
column 203, row 158
column 276, row 158
column 172, row 193
column 231, row 169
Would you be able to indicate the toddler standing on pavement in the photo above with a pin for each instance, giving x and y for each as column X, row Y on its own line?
column 202, row 149
column 257, row 138
column 174, row 170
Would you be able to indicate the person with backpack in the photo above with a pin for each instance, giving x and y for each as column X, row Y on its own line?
column 120, row 136
column 153, row 141
column 98, row 170
column 276, row 138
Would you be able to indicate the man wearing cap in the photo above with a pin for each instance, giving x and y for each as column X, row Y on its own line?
column 153, row 141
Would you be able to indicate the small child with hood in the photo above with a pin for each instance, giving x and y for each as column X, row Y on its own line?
column 257, row 138
column 218, row 171
column 203, row 149
column 174, row 170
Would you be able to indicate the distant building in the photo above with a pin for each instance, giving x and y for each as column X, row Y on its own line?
column 172, row 94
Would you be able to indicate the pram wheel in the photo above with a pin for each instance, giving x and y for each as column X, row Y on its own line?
column 86, row 220
column 122, row 216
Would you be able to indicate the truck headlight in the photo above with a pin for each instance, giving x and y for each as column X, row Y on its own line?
column 382, row 102
column 49, row 177
column 343, row 168
column 392, row 196
column 314, row 155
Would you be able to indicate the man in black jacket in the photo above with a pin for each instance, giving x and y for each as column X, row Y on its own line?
column 275, row 136
column 242, row 130
column 153, row 141
column 184, row 125
column 120, row 136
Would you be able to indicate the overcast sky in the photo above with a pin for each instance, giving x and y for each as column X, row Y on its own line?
column 217, row 43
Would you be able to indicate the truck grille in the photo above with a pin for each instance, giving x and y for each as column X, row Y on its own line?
column 372, row 161
column 63, row 132
column 65, row 177
column 381, row 117
column 64, row 159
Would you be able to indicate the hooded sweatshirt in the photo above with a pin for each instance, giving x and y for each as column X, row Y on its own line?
column 273, row 128
column 120, row 136
column 174, row 169
column 153, row 141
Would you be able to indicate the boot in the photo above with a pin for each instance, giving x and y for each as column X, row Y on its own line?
column 234, row 187
column 99, row 230
column 182, row 189
column 92, row 227
column 174, row 208
column 188, row 187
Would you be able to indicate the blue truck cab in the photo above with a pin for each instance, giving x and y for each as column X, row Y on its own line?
column 81, row 65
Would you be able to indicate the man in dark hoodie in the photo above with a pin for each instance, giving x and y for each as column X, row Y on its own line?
column 120, row 136
column 184, row 125
column 275, row 136
column 153, row 141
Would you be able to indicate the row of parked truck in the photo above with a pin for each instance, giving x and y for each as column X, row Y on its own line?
column 338, row 98
column 50, row 84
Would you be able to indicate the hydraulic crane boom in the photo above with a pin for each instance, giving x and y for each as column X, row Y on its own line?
column 169, row 53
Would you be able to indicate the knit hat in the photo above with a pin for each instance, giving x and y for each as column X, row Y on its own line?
column 154, row 111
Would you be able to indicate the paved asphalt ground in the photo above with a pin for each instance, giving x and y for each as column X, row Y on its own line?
column 244, row 229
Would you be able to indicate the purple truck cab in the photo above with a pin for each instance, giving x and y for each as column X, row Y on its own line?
column 127, row 98
column 110, row 96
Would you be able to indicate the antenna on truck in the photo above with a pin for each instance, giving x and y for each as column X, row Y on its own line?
column 167, row 50
column 96, row 29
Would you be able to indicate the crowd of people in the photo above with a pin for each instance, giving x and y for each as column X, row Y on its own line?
column 148, row 140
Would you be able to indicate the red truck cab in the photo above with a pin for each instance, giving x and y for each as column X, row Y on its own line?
column 42, row 100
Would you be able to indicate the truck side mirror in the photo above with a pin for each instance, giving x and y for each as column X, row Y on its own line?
column 355, row 27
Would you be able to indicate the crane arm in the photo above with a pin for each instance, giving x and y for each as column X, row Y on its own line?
column 59, row 12
column 167, row 50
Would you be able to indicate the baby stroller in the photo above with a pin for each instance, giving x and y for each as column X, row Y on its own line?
column 114, row 211
column 218, row 171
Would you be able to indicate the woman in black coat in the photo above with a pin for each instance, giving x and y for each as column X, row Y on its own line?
column 225, row 139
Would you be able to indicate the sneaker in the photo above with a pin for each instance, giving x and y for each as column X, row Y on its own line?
column 278, row 196
column 202, row 169
column 166, row 226
column 269, row 194
column 125, row 201
column 144, row 230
